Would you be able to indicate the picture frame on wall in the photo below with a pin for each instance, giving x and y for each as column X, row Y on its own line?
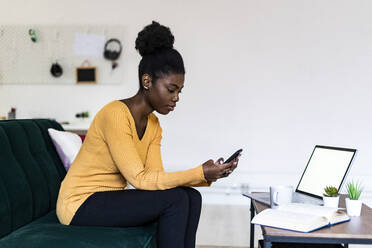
column 86, row 75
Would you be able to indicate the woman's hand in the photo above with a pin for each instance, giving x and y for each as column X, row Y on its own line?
column 213, row 171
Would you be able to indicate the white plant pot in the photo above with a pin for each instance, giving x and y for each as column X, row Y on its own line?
column 331, row 202
column 353, row 207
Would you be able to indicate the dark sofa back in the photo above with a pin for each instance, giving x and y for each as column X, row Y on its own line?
column 30, row 172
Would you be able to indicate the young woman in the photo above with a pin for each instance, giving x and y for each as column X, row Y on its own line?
column 123, row 146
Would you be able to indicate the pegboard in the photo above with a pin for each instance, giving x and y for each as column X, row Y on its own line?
column 23, row 61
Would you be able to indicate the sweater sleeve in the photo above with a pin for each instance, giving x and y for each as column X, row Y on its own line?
column 116, row 132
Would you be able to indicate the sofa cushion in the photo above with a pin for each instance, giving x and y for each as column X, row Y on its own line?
column 32, row 170
column 29, row 172
column 67, row 145
column 43, row 158
column 44, row 124
column 15, row 192
column 48, row 232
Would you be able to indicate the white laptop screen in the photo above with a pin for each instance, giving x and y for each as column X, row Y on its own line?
column 327, row 166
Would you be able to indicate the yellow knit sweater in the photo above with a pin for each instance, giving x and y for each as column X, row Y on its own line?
column 112, row 155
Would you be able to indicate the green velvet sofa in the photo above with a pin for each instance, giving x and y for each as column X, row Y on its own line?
column 30, row 176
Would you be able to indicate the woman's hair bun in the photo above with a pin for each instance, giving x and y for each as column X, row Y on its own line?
column 154, row 38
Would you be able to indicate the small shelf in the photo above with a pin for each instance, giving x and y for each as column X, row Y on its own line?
column 78, row 128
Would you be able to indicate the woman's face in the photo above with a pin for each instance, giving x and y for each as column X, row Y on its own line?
column 164, row 93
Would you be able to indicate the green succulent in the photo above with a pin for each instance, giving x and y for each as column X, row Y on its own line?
column 330, row 191
column 82, row 115
column 354, row 189
column 85, row 114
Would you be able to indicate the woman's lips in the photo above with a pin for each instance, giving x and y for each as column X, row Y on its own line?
column 171, row 108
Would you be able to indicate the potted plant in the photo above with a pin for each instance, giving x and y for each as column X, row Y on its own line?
column 353, row 204
column 331, row 197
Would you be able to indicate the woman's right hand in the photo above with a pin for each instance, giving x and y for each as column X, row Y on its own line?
column 213, row 171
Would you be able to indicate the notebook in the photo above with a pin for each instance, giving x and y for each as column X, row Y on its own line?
column 327, row 166
column 300, row 217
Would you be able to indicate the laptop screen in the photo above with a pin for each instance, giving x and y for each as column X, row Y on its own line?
column 327, row 166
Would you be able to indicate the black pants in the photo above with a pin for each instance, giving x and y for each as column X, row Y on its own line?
column 176, row 210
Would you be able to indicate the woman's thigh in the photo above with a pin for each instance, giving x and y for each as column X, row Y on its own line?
column 126, row 208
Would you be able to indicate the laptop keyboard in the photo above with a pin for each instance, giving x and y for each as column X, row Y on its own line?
column 302, row 198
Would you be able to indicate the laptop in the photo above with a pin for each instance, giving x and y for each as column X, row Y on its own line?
column 327, row 166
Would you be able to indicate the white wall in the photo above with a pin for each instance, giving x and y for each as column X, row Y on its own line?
column 273, row 77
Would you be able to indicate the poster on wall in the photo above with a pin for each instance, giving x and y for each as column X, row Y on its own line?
column 89, row 44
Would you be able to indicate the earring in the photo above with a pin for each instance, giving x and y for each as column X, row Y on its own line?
column 146, row 88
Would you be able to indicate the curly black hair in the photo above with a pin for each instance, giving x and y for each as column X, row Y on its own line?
column 159, row 58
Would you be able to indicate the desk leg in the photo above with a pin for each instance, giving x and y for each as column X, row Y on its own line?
column 252, row 226
column 346, row 245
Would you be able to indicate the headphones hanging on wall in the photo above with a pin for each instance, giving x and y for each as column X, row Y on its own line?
column 112, row 54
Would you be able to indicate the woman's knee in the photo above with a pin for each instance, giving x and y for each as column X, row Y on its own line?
column 177, row 196
column 194, row 195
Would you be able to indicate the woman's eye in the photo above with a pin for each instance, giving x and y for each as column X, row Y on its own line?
column 171, row 91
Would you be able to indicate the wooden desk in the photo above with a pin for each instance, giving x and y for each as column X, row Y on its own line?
column 356, row 231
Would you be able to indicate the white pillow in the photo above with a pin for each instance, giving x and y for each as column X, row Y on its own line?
column 67, row 145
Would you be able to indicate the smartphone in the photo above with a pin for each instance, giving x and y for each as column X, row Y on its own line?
column 231, row 158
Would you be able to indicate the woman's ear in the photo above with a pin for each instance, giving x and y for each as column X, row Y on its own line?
column 146, row 81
